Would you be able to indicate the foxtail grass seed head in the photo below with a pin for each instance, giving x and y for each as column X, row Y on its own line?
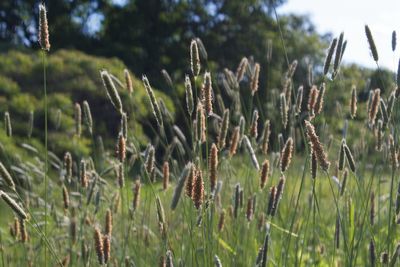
column 78, row 119
column 111, row 90
column 379, row 135
column 353, row 102
column 384, row 258
column 372, row 252
column 108, row 222
column 120, row 175
column 98, row 244
column 121, row 148
column 160, row 211
column 250, row 150
column 128, row 81
column 283, row 109
column 241, row 69
column 7, row 123
column 194, row 58
column 329, row 55
column 349, row 158
column 68, row 165
column 384, row 113
column 249, row 209
column 65, row 197
column 213, row 165
column 208, row 93
column 254, row 124
column 342, row 155
column 190, row 181
column 223, row 130
column 43, row 29
column 31, row 123
column 87, row 115
column 279, row 193
column 254, row 79
column 24, row 231
column 201, row 122
column 165, row 175
column 153, row 102
column 16, row 228
column 394, row 41
column 189, row 95
column 149, row 164
column 372, row 209
column 312, row 98
column 83, row 174
column 317, row 147
column 393, row 153
column 338, row 55
column 271, row 201
column 124, row 125
column 265, row 139
column 234, row 141
column 299, row 99
column 264, row 174
column 236, row 201
column 13, row 205
column 313, row 165
column 136, row 195
column 286, row 155
column 320, row 100
column 371, row 43
column 7, row 176
column 198, row 189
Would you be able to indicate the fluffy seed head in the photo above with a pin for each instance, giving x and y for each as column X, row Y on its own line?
column 189, row 95
column 165, row 175
column 394, row 41
column 221, row 221
column 98, row 244
column 136, row 194
column 371, row 43
column 264, row 173
column 353, row 102
column 249, row 209
column 254, row 79
column 194, row 58
column 111, row 90
column 65, row 197
column 207, row 93
column 284, row 109
column 313, row 165
column 254, row 124
column 108, row 222
column 83, row 174
column 6, row 176
column 68, row 165
column 312, row 98
column 241, row 69
column 87, row 115
column 150, row 159
column 153, row 102
column 271, row 201
column 265, row 139
column 329, row 55
column 349, row 158
column 213, row 164
column 286, row 155
column 78, row 119
column 279, row 193
column 198, row 189
column 223, row 130
column 43, row 29
column 13, row 205
column 320, row 99
column 316, row 146
column 121, row 147
column 234, row 141
column 128, row 81
column 341, row 155
column 299, row 99
column 190, row 180
column 7, row 124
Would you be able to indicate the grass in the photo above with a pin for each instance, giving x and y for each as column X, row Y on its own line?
column 314, row 224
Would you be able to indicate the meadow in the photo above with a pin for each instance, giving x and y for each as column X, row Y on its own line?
column 241, row 185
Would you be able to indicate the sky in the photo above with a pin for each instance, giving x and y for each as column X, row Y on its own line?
column 351, row 16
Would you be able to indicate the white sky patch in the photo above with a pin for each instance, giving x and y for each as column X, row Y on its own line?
column 351, row 16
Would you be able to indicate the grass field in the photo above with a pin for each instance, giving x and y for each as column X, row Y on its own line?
column 227, row 191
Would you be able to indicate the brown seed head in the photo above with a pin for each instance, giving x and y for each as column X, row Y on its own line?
column 374, row 106
column 312, row 98
column 98, row 244
column 106, row 247
column 128, row 81
column 264, row 173
column 207, row 91
column 266, row 134
column 165, row 175
column 221, row 221
column 198, row 189
column 65, row 197
column 234, row 141
column 190, row 180
column 254, row 79
column 121, row 148
column 136, row 195
column 108, row 222
column 316, row 146
column 286, row 155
